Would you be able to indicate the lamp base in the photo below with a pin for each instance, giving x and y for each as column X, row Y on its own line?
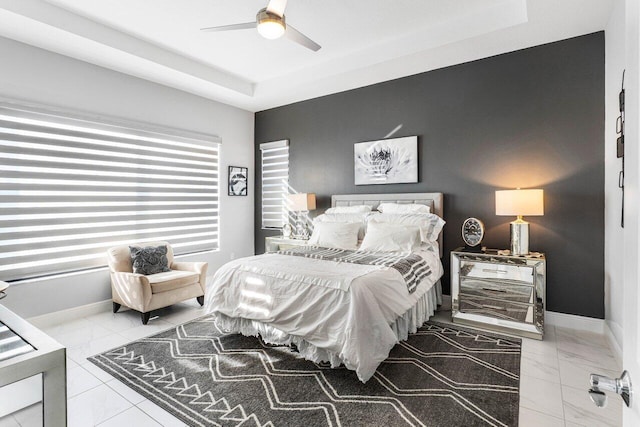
column 519, row 237
column 301, row 231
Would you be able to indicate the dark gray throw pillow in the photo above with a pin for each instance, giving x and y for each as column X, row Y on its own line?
column 149, row 260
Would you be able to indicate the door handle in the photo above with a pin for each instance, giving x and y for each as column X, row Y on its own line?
column 600, row 384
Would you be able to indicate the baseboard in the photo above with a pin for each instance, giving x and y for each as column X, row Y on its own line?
column 613, row 331
column 573, row 321
column 57, row 317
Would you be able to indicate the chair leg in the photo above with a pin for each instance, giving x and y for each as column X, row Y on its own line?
column 200, row 300
column 116, row 307
column 145, row 317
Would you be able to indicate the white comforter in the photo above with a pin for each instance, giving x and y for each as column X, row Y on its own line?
column 343, row 310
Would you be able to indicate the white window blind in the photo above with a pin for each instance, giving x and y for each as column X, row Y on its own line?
column 71, row 188
column 275, row 182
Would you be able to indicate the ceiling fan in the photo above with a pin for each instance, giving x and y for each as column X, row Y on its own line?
column 271, row 24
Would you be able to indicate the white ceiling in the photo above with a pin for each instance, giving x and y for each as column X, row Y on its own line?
column 363, row 41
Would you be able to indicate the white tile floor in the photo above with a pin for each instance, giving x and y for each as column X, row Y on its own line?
column 553, row 389
column 555, row 379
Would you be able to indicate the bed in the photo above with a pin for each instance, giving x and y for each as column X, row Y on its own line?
column 336, row 312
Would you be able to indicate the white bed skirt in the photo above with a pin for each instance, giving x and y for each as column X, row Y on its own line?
column 408, row 323
column 426, row 306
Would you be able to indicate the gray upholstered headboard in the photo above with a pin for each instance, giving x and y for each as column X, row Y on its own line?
column 433, row 200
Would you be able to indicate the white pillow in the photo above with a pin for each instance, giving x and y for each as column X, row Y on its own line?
column 430, row 224
column 341, row 235
column 403, row 208
column 349, row 209
column 345, row 217
column 386, row 237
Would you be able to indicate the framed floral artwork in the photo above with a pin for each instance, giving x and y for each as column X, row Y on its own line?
column 387, row 161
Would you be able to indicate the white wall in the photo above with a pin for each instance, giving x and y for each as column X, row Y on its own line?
column 613, row 259
column 631, row 241
column 43, row 77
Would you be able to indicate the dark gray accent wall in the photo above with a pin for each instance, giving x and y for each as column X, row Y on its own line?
column 532, row 119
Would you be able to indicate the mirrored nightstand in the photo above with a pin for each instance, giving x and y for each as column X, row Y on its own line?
column 503, row 293
column 25, row 352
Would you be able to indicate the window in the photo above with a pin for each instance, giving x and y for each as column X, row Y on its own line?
column 71, row 188
column 275, row 182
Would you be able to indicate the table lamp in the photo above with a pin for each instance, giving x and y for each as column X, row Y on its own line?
column 301, row 202
column 519, row 203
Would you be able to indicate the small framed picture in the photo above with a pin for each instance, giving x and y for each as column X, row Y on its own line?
column 238, row 178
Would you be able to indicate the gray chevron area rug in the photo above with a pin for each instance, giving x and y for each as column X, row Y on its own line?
column 440, row 376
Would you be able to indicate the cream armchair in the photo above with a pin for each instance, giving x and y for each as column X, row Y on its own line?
column 147, row 293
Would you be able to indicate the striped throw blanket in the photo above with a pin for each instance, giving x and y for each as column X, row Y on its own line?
column 413, row 268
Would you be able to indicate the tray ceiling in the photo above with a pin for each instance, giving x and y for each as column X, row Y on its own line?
column 363, row 41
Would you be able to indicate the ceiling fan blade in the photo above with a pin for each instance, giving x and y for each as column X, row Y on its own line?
column 296, row 36
column 277, row 7
column 244, row 26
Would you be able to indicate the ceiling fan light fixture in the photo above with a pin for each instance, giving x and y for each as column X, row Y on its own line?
column 270, row 26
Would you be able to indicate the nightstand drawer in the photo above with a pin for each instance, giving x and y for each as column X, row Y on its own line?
column 280, row 243
column 470, row 287
column 502, row 272
column 287, row 246
column 523, row 313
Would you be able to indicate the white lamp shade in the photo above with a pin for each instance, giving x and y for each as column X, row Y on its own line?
column 529, row 202
column 301, row 202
